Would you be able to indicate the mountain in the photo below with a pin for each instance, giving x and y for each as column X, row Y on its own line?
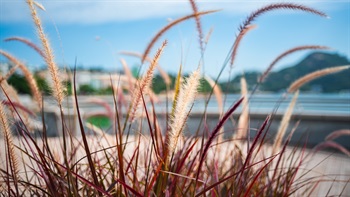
column 280, row 80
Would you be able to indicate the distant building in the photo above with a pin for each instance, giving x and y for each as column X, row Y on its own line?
column 96, row 79
column 4, row 67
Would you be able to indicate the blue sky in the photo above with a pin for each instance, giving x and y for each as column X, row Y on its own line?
column 74, row 26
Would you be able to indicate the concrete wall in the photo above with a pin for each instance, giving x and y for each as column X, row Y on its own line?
column 310, row 128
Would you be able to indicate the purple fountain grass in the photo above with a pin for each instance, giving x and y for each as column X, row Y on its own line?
column 187, row 94
column 246, row 25
column 314, row 75
column 29, row 43
column 288, row 52
column 167, row 27
column 145, row 83
column 337, row 134
column 198, row 25
column 144, row 156
column 49, row 57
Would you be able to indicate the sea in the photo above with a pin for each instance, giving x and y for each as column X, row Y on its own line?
column 337, row 104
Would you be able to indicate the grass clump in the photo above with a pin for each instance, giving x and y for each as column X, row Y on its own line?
column 142, row 156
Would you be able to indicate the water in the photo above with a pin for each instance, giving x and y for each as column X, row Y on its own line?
column 317, row 115
column 330, row 104
column 335, row 104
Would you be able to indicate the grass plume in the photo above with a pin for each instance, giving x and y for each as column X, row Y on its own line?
column 238, row 40
column 12, row 158
column 39, row 5
column 57, row 88
column 176, row 89
column 207, row 37
column 187, row 94
column 243, row 121
column 167, row 27
column 144, row 84
column 198, row 24
column 331, row 144
column 338, row 133
column 131, row 79
column 217, row 92
column 10, row 90
column 276, row 6
column 8, row 74
column 314, row 75
column 288, row 52
column 284, row 124
column 162, row 73
column 28, row 43
column 29, row 77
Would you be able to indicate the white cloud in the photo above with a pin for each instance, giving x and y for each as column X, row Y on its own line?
column 90, row 11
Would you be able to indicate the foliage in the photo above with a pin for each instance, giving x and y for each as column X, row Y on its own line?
column 19, row 83
column 204, row 86
column 99, row 121
column 43, row 85
column 312, row 62
column 68, row 86
column 87, row 89
column 105, row 91
column 158, row 84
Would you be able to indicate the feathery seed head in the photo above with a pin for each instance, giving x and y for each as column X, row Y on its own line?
column 6, row 132
column 167, row 27
column 198, row 24
column 29, row 43
column 185, row 99
column 243, row 122
column 284, row 124
column 28, row 75
column 295, row 49
column 246, row 24
column 314, row 75
column 144, row 84
column 49, row 57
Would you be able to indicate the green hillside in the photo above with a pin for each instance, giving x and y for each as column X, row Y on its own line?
column 280, row 80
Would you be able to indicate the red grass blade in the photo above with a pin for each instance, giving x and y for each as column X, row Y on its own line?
column 256, row 177
column 338, row 133
column 332, row 145
column 86, row 145
column 215, row 131
column 129, row 188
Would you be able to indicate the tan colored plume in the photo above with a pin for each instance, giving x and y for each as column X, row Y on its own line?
column 57, row 88
column 217, row 92
column 39, row 5
column 28, row 43
column 290, row 51
column 128, row 73
column 206, row 40
column 9, row 73
column 274, row 6
column 7, row 136
column 162, row 73
column 198, row 24
column 185, row 99
column 29, row 77
column 144, row 84
column 314, row 75
column 238, row 40
column 167, row 27
column 243, row 121
column 284, row 124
